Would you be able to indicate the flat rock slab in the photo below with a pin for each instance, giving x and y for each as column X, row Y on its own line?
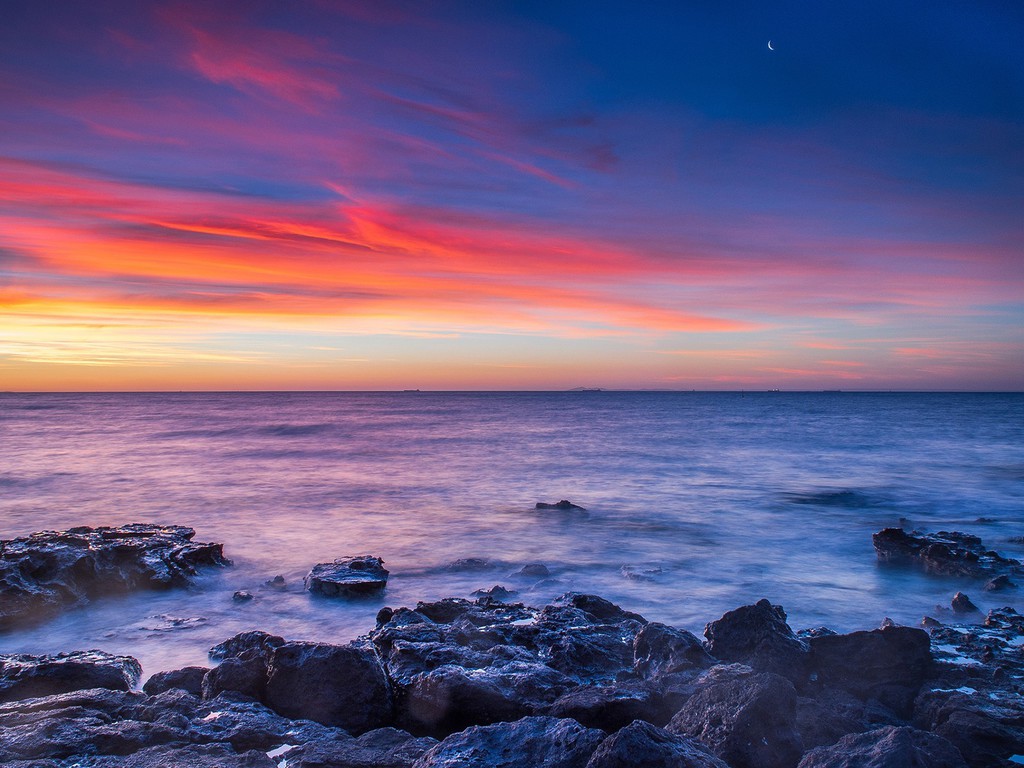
column 348, row 577
column 47, row 572
column 947, row 553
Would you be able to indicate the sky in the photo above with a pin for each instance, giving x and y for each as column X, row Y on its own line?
column 511, row 195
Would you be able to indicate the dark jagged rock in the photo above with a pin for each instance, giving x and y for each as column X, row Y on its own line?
column 254, row 641
column 348, row 577
column 758, row 636
column 746, row 718
column 888, row 747
column 563, row 504
column 382, row 748
column 663, row 650
column 611, row 707
column 961, row 604
column 277, row 583
column 23, row 676
column 338, row 685
column 497, row 592
column 245, row 674
column 241, row 596
column 1000, row 584
column 642, row 744
column 833, row 713
column 974, row 698
column 887, row 664
column 538, row 742
column 457, row 663
column 44, row 573
column 188, row 679
column 947, row 553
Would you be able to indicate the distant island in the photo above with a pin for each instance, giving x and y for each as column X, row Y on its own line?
column 586, row 389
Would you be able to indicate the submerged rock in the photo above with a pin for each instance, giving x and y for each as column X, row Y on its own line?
column 44, row 573
column 23, row 676
column 564, row 505
column 348, row 577
column 948, row 553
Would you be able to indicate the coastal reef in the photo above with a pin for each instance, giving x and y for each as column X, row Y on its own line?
column 578, row 683
column 44, row 573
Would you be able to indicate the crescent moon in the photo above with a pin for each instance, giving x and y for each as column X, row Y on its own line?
column 770, row 46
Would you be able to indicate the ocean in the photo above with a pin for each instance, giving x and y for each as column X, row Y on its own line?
column 696, row 503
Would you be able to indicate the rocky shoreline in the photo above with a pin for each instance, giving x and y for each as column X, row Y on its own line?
column 577, row 683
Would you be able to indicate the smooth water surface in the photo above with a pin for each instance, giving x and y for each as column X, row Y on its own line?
column 696, row 502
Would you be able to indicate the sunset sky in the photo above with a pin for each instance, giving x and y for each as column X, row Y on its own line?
column 511, row 195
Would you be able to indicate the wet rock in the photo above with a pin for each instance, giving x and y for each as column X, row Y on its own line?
column 244, row 724
column 746, row 718
column 277, row 583
column 497, row 592
column 245, row 674
column 47, row 572
column 241, row 596
column 948, row 553
column 888, row 664
column 24, row 676
column 611, row 707
column 255, row 641
column 758, row 636
column 1000, row 584
column 642, row 744
column 826, row 718
column 597, row 607
column 338, row 685
column 452, row 697
column 660, row 650
column 188, row 679
column 563, row 505
column 961, row 604
column 381, row 748
column 535, row 570
column 348, row 577
column 888, row 747
column 197, row 756
column 538, row 742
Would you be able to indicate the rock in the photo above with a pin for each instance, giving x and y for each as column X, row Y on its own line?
column 562, row 505
column 888, row 747
column 197, row 756
column 746, row 718
column 452, row 698
column 245, row 674
column 338, row 685
column 24, row 676
column 277, row 583
column 885, row 664
column 758, row 636
column 535, row 570
column 824, row 719
column 537, row 742
column 660, row 650
column 598, row 608
column 497, row 592
column 260, row 643
column 382, row 748
column 348, row 577
column 241, row 596
column 244, row 724
column 961, row 604
column 999, row 584
column 927, row 622
column 642, row 744
column 47, row 572
column 611, row 707
column 986, row 731
column 948, row 553
column 186, row 679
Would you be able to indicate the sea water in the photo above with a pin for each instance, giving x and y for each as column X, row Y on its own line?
column 696, row 503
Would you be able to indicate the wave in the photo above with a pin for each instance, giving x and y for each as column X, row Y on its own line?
column 843, row 499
